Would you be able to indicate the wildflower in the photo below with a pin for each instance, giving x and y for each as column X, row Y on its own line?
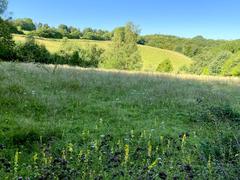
column 126, row 153
column 63, row 154
column 149, row 149
column 16, row 159
column 155, row 163
column 70, row 147
column 184, row 137
column 209, row 164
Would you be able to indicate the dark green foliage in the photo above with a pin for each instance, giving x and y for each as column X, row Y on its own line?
column 165, row 66
column 88, row 57
column 93, row 34
column 187, row 46
column 25, row 24
column 6, row 42
column 47, row 32
column 212, row 57
column 30, row 51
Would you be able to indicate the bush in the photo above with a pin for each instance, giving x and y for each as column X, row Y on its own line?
column 88, row 57
column 165, row 66
column 30, row 51
column 25, row 24
column 47, row 32
column 6, row 42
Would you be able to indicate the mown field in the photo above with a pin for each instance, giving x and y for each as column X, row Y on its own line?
column 151, row 56
column 61, row 122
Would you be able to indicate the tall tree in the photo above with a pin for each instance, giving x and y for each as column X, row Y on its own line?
column 124, row 53
column 6, row 42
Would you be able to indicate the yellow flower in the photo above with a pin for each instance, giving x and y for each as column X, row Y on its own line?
column 149, row 148
column 126, row 153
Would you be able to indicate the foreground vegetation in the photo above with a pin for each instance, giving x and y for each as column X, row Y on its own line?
column 65, row 122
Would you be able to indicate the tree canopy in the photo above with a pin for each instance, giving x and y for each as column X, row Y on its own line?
column 124, row 53
column 3, row 6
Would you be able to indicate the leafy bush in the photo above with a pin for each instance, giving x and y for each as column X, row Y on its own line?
column 165, row 66
column 30, row 51
column 6, row 42
column 24, row 24
column 88, row 57
column 47, row 32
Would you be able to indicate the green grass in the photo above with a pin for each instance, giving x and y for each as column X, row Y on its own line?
column 61, row 121
column 151, row 56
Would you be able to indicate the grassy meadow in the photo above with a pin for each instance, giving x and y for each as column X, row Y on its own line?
column 151, row 56
column 66, row 122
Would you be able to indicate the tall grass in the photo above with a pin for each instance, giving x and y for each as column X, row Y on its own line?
column 68, row 122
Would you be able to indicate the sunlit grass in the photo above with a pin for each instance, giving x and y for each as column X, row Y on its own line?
column 63, row 121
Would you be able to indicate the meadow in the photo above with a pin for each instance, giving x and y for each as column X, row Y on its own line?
column 151, row 56
column 62, row 122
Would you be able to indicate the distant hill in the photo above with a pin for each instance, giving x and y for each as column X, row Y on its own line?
column 151, row 56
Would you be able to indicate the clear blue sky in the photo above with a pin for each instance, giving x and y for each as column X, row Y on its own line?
column 210, row 18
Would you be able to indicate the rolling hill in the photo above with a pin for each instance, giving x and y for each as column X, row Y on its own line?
column 151, row 56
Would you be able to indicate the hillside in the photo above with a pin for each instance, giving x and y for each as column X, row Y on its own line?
column 62, row 121
column 151, row 56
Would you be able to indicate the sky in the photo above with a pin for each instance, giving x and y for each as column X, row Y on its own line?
column 215, row 19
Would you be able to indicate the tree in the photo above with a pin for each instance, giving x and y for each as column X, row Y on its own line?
column 25, row 24
column 165, row 66
column 3, row 6
column 63, row 29
column 124, row 53
column 6, row 42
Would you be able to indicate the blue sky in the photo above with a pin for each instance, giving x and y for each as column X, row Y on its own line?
column 217, row 19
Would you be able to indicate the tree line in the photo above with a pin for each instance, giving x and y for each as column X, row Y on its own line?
column 211, row 57
column 123, row 53
column 45, row 31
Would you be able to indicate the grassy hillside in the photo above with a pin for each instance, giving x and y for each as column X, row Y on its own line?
column 63, row 121
column 151, row 56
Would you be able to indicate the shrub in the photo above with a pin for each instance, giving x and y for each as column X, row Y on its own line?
column 165, row 66
column 6, row 42
column 25, row 24
column 30, row 51
column 47, row 32
column 88, row 57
